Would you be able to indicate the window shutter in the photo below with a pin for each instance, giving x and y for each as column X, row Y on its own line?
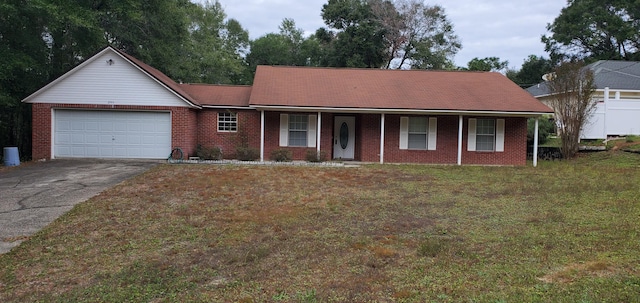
column 404, row 132
column 433, row 134
column 499, row 135
column 471, row 142
column 284, row 129
column 312, row 126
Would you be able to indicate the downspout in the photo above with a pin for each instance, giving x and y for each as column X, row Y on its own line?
column 460, row 124
column 535, row 144
column 382, row 138
column 262, row 136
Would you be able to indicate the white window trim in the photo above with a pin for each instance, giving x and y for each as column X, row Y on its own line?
column 498, row 145
column 432, row 133
column 234, row 115
column 311, row 131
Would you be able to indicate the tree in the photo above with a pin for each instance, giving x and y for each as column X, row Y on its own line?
column 42, row 39
column 595, row 29
column 388, row 34
column 288, row 47
column 213, row 50
column 531, row 72
column 418, row 35
column 358, row 40
column 487, row 64
column 571, row 88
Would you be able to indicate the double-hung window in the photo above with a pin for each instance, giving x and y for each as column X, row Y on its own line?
column 298, row 130
column 486, row 135
column 227, row 122
column 418, row 131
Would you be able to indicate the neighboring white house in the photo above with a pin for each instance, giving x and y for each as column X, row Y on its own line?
column 617, row 94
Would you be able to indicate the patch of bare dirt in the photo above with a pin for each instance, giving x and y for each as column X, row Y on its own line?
column 571, row 273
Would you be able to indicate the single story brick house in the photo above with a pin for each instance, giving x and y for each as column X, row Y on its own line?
column 115, row 106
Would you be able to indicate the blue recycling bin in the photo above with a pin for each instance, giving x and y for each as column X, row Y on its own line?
column 11, row 156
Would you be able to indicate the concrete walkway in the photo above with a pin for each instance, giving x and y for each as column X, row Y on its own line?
column 34, row 194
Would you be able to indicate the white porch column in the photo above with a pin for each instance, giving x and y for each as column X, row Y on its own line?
column 604, row 116
column 262, row 136
column 460, row 124
column 382, row 138
column 535, row 144
column 318, row 134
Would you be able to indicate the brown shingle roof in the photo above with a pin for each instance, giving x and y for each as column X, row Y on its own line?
column 219, row 95
column 390, row 89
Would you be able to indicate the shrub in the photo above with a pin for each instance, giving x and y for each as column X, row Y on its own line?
column 247, row 153
column 545, row 128
column 208, row 153
column 313, row 156
column 281, row 155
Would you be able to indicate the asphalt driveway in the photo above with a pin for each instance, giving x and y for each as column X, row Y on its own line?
column 34, row 194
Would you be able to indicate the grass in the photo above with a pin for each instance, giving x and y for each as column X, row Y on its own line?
column 566, row 231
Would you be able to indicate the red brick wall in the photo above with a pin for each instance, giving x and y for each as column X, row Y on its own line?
column 209, row 136
column 447, row 143
column 272, row 136
column 183, row 128
column 191, row 127
column 40, row 131
column 515, row 145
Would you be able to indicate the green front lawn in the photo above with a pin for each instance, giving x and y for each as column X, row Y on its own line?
column 566, row 231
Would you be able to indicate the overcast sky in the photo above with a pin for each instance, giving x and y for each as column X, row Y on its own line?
column 510, row 30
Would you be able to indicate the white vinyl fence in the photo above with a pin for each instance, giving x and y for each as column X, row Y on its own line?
column 613, row 117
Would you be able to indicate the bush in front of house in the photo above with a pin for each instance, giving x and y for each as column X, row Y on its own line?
column 313, row 156
column 247, row 153
column 281, row 155
column 208, row 153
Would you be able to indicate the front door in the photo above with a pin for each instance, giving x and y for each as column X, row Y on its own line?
column 344, row 135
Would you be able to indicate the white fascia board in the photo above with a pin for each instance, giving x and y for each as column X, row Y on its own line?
column 226, row 107
column 397, row 111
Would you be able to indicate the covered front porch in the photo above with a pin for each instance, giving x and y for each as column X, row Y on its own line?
column 390, row 137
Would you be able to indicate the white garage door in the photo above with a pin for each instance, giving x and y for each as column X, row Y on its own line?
column 112, row 134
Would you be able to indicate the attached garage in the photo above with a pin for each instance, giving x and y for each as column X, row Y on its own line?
column 112, row 106
column 111, row 134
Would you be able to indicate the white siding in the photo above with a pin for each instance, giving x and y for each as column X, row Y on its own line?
column 98, row 82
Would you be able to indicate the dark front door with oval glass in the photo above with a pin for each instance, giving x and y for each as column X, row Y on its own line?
column 344, row 137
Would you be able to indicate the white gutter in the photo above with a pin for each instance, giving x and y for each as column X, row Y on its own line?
column 396, row 111
column 227, row 107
